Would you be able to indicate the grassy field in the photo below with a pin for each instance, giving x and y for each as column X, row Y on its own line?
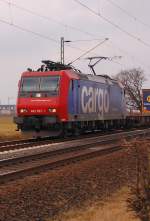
column 8, row 129
column 113, row 209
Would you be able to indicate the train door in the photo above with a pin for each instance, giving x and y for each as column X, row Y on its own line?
column 73, row 98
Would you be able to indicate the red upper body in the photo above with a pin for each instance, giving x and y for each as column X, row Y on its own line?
column 45, row 93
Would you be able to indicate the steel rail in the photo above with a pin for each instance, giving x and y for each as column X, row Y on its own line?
column 16, row 142
column 52, row 163
column 13, row 168
column 25, row 143
column 49, row 147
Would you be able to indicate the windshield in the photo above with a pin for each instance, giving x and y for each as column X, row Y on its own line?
column 30, row 84
column 48, row 84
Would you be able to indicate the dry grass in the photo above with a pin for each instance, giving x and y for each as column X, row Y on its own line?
column 8, row 129
column 139, row 200
column 113, row 209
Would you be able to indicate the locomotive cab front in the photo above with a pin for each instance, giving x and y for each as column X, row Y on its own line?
column 39, row 103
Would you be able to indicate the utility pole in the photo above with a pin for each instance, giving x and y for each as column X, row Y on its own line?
column 62, row 47
column 8, row 100
column 62, row 50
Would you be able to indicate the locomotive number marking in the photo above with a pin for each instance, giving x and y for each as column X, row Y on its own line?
column 38, row 111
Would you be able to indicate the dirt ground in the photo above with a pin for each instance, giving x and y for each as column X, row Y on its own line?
column 8, row 129
column 70, row 188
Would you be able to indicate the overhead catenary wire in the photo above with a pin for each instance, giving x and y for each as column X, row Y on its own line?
column 86, row 40
column 138, row 60
column 51, row 19
column 51, row 39
column 36, row 33
column 39, row 34
column 89, row 50
column 27, row 30
column 120, row 64
column 111, row 44
column 48, row 18
column 10, row 12
column 113, row 24
column 10, row 4
column 128, row 13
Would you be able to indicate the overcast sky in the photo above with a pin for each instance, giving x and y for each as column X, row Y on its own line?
column 20, row 50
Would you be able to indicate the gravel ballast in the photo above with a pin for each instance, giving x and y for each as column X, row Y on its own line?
column 44, row 196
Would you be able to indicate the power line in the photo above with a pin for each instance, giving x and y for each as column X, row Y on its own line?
column 36, row 33
column 51, row 39
column 113, row 24
column 128, row 13
column 116, row 62
column 51, row 19
column 86, row 40
column 10, row 12
column 46, row 37
column 28, row 31
column 88, row 51
column 47, row 18
column 129, row 55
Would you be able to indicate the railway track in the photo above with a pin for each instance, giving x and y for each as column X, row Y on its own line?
column 44, row 157
column 28, row 143
column 15, row 142
column 20, row 144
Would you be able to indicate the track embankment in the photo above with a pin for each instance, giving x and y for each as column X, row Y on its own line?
column 15, row 164
column 44, row 196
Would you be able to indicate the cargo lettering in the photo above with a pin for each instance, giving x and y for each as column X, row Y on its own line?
column 94, row 100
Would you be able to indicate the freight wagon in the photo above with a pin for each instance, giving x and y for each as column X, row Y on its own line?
column 146, row 101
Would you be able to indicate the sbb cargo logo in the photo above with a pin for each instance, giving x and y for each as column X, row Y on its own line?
column 94, row 100
column 148, row 99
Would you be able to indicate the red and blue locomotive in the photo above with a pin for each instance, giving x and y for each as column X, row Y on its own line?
column 59, row 99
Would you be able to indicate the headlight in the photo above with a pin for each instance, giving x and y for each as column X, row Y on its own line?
column 52, row 110
column 23, row 110
column 38, row 95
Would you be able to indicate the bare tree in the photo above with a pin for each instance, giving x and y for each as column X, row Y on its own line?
column 132, row 80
